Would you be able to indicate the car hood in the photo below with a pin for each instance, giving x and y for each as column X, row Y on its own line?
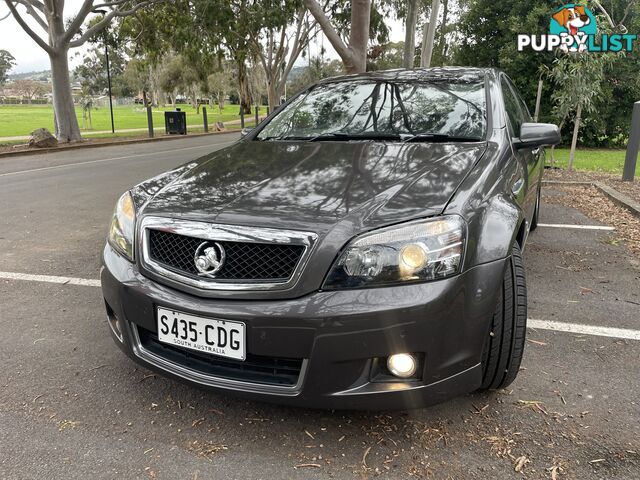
column 316, row 186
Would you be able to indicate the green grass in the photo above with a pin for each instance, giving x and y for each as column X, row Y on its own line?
column 18, row 120
column 608, row 161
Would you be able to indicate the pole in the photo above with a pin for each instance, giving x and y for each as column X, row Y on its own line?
column 634, row 143
column 149, row 113
column 206, row 120
column 257, row 115
column 536, row 115
column 106, row 54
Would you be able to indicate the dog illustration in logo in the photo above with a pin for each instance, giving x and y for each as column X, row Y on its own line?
column 573, row 19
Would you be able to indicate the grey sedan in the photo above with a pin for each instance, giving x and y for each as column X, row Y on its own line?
column 361, row 248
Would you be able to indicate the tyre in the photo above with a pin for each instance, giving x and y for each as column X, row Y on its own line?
column 504, row 345
column 536, row 214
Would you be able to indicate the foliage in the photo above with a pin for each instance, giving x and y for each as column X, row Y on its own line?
column 488, row 32
column 219, row 84
column 92, row 72
column 315, row 71
column 6, row 63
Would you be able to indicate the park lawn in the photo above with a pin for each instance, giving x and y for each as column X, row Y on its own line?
column 18, row 120
column 594, row 160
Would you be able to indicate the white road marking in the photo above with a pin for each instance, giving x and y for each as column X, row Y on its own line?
column 54, row 167
column 593, row 330
column 577, row 227
column 50, row 279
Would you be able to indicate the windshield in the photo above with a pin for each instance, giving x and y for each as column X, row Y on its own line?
column 379, row 109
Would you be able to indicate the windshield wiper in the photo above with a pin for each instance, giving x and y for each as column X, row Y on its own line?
column 439, row 137
column 355, row 136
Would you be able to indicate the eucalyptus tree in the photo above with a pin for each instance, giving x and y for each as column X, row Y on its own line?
column 353, row 51
column 56, row 32
column 281, row 32
column 6, row 63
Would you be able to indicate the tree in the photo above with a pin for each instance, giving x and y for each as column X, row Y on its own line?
column 170, row 77
column 578, row 79
column 314, row 72
column 61, row 36
column 6, row 63
column 29, row 89
column 488, row 32
column 219, row 84
column 353, row 54
column 275, row 46
column 92, row 72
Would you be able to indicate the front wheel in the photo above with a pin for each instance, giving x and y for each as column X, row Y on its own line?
column 504, row 345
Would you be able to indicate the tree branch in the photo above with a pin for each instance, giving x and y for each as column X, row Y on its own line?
column 32, row 11
column 27, row 29
column 76, row 24
column 98, row 27
column 332, row 35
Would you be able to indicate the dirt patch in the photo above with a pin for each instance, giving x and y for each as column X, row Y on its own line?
column 590, row 201
column 631, row 189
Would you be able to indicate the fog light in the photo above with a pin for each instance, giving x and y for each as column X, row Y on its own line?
column 402, row 365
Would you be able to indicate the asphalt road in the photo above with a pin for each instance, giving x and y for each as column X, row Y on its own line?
column 73, row 406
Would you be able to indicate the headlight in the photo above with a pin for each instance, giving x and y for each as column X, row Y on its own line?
column 121, row 231
column 418, row 251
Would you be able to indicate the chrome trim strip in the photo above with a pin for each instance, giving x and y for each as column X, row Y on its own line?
column 229, row 233
column 210, row 381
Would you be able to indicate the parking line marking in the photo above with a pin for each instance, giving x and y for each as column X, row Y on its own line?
column 54, row 167
column 594, row 330
column 577, row 227
column 50, row 279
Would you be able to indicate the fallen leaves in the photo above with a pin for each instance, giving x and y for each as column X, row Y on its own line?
column 520, row 463
column 534, row 405
column 206, row 449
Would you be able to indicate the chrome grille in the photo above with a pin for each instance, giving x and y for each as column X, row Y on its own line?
column 244, row 261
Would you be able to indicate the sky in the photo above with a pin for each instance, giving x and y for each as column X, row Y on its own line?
column 30, row 57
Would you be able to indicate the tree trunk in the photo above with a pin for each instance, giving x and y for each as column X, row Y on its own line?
column 66, row 122
column 273, row 96
column 442, row 42
column 429, row 35
column 410, row 34
column 243, row 88
column 359, row 37
column 574, row 141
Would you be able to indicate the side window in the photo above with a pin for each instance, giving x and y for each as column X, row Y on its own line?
column 513, row 107
column 523, row 106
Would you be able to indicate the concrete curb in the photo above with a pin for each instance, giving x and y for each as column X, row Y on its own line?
column 618, row 198
column 74, row 146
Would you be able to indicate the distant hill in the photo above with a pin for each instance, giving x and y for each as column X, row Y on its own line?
column 42, row 76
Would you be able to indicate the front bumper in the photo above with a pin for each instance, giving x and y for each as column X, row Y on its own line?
column 338, row 336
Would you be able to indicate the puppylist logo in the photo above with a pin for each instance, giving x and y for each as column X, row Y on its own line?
column 573, row 28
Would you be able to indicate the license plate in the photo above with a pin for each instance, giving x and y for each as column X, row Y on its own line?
column 217, row 337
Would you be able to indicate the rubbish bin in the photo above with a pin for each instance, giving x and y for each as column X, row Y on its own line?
column 175, row 122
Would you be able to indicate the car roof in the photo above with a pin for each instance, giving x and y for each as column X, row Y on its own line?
column 401, row 74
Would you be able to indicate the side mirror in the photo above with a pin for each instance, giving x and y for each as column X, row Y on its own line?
column 538, row 135
column 245, row 131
